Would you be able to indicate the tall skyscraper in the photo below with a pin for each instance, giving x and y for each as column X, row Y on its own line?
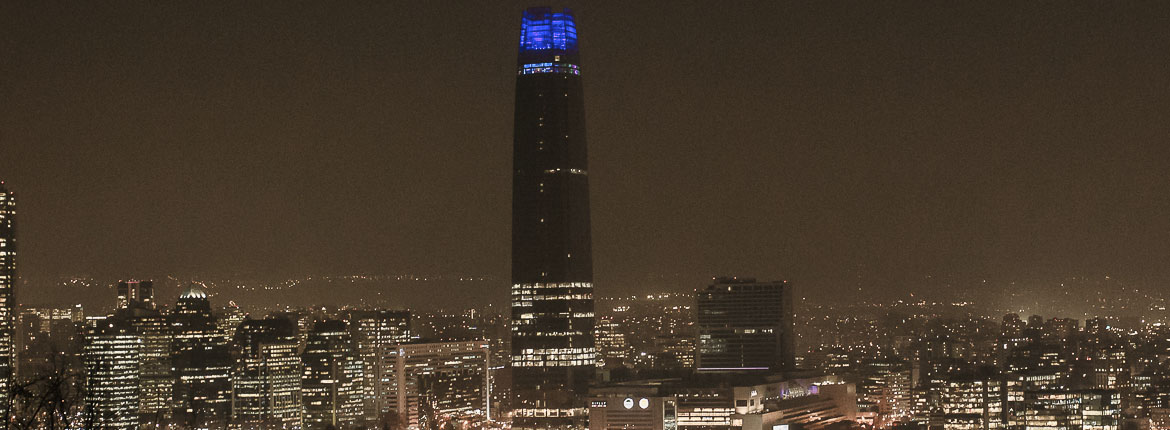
column 112, row 363
column 156, row 372
column 745, row 325
column 136, row 294
column 45, row 336
column 332, row 387
column 553, row 352
column 202, row 364
column 266, row 378
column 612, row 347
column 7, row 300
column 376, row 331
column 137, row 310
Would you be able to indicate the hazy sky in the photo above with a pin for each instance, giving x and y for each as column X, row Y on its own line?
column 828, row 143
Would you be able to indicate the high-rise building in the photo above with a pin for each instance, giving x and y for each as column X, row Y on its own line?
column 884, row 391
column 374, row 331
column 266, row 377
column 972, row 401
column 156, row 373
column 137, row 310
column 7, row 298
column 111, row 356
column 332, row 388
column 229, row 319
column 744, row 325
column 202, row 364
column 553, row 352
column 1072, row 410
column 675, row 350
column 44, row 336
column 135, row 294
column 302, row 320
column 431, row 381
column 612, row 348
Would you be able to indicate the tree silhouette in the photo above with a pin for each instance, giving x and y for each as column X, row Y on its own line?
column 51, row 397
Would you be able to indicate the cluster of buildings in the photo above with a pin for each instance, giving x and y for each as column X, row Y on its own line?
column 737, row 369
column 150, row 366
column 726, row 360
column 974, row 373
column 569, row 369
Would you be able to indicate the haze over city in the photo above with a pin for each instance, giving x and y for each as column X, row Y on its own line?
column 604, row 216
column 874, row 149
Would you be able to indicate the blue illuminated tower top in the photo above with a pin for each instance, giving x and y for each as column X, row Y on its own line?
column 548, row 37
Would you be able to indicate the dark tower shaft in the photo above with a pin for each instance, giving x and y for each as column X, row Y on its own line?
column 552, row 268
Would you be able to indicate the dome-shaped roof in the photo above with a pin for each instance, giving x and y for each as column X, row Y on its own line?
column 193, row 291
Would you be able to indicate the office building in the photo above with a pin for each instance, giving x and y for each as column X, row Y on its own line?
column 612, row 348
column 229, row 319
column 135, row 294
column 112, row 363
column 137, row 310
column 437, row 381
column 7, row 298
column 884, row 392
column 744, row 325
column 973, row 401
column 676, row 350
column 820, row 408
column 553, row 354
column 631, row 408
column 1072, row 410
column 202, row 364
column 725, row 402
column 374, row 331
column 42, row 334
column 332, row 385
column 266, row 376
column 156, row 372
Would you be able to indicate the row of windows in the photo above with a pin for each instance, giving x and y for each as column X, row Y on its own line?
column 529, row 316
column 541, row 68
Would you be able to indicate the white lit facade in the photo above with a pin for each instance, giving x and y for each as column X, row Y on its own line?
column 7, row 297
column 565, row 329
column 111, row 356
column 374, row 331
column 332, row 385
column 266, row 378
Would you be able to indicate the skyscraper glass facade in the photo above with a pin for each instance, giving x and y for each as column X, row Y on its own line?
column 7, row 299
column 553, row 353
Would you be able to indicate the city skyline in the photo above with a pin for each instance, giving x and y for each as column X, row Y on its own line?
column 1014, row 143
column 887, row 235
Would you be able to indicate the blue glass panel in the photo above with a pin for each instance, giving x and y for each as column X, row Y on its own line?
column 549, row 30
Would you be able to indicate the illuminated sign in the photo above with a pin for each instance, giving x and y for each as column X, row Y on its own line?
column 628, row 403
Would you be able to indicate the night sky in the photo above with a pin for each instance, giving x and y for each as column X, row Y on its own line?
column 833, row 144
